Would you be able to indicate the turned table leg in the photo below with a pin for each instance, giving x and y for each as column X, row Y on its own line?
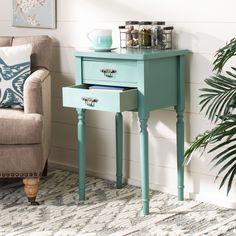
column 119, row 149
column 81, row 152
column 31, row 189
column 143, row 118
column 180, row 128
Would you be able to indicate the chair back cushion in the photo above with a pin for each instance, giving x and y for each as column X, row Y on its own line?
column 14, row 70
column 5, row 41
column 41, row 48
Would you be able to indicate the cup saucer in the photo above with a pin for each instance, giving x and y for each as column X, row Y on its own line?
column 103, row 49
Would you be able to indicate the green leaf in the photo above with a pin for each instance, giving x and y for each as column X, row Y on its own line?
column 222, row 144
column 201, row 141
column 225, row 167
column 231, row 170
column 231, row 180
column 224, row 54
column 220, row 97
column 230, row 173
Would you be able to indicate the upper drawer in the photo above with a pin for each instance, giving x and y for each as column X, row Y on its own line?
column 80, row 96
column 110, row 72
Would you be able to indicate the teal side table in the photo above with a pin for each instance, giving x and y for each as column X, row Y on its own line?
column 154, row 79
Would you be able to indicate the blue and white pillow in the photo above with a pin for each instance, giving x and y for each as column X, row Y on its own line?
column 14, row 70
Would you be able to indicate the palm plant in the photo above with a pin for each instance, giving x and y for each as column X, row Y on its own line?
column 219, row 102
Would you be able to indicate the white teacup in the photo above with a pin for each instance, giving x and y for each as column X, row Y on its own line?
column 100, row 38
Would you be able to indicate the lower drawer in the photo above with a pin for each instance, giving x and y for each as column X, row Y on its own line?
column 80, row 96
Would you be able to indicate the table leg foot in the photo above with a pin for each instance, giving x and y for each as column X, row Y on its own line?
column 180, row 193
column 145, row 208
column 81, row 194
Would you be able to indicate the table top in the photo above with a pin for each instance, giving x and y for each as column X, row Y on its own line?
column 131, row 53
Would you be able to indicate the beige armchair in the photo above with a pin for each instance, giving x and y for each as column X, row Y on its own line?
column 25, row 135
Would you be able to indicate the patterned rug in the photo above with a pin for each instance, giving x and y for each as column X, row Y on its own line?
column 107, row 211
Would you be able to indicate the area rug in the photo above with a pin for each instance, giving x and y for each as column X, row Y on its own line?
column 107, row 211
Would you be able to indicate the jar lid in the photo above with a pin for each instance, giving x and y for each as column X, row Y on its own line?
column 132, row 22
column 158, row 22
column 145, row 22
column 121, row 27
column 168, row 28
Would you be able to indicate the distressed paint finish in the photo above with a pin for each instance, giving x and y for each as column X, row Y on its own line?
column 157, row 80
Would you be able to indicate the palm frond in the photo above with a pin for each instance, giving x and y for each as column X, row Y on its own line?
column 220, row 97
column 225, row 166
column 224, row 131
column 224, row 135
column 222, row 144
column 219, row 101
column 224, row 54
column 231, row 172
column 202, row 141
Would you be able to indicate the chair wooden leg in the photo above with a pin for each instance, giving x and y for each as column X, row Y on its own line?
column 31, row 189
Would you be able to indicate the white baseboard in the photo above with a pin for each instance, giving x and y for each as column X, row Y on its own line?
column 219, row 201
column 62, row 166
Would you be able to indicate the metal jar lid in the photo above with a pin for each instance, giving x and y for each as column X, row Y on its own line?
column 145, row 22
column 168, row 28
column 158, row 22
column 132, row 23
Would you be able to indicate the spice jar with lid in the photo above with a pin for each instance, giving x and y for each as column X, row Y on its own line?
column 158, row 35
column 123, row 32
column 145, row 34
column 132, row 34
column 168, row 37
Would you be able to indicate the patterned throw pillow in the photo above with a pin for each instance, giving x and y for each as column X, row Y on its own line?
column 14, row 70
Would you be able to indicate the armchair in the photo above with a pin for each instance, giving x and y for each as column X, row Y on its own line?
column 25, row 135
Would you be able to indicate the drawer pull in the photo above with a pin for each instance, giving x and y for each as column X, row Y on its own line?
column 108, row 72
column 89, row 101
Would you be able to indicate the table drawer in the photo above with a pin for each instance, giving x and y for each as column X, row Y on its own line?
column 110, row 72
column 104, row 100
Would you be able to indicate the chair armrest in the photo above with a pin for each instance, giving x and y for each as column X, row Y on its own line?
column 37, row 99
column 35, row 90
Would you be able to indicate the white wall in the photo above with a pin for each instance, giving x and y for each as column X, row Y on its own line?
column 200, row 26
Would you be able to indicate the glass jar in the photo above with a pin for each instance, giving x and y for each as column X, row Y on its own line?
column 168, row 40
column 132, row 32
column 123, row 32
column 158, row 35
column 145, row 34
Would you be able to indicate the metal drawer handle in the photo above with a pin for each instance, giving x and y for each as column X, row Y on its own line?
column 108, row 72
column 89, row 101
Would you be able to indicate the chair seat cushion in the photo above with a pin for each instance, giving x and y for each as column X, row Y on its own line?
column 16, row 127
